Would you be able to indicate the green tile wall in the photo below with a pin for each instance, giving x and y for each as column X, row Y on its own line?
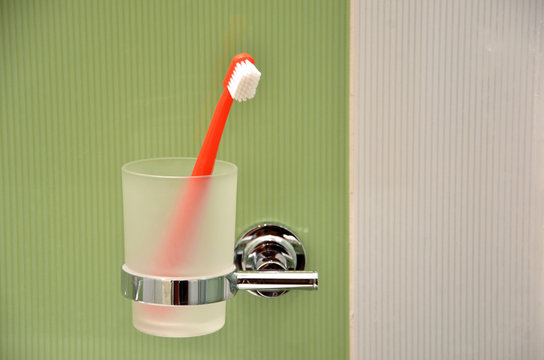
column 86, row 86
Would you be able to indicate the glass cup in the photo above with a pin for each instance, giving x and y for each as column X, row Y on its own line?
column 178, row 226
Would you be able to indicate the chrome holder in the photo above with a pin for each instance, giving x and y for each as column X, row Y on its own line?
column 269, row 260
column 271, row 247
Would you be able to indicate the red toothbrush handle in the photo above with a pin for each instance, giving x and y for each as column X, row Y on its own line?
column 178, row 241
column 208, row 151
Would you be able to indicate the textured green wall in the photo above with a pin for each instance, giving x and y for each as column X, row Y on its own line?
column 88, row 86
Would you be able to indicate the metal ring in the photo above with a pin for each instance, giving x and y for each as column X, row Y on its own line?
column 168, row 291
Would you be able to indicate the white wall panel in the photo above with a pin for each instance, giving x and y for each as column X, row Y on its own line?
column 447, row 112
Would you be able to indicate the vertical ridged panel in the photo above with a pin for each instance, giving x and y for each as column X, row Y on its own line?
column 447, row 157
column 87, row 86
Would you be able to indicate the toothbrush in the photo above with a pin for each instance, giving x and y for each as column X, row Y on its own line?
column 239, row 84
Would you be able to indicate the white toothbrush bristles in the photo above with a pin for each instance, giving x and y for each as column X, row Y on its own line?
column 244, row 80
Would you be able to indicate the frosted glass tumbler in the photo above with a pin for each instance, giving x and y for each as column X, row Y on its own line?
column 178, row 226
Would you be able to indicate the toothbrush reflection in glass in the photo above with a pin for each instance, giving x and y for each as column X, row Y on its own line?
column 240, row 84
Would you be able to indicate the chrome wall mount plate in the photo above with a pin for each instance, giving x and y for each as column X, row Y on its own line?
column 269, row 247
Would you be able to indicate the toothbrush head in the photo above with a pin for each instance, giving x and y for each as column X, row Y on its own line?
column 242, row 77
